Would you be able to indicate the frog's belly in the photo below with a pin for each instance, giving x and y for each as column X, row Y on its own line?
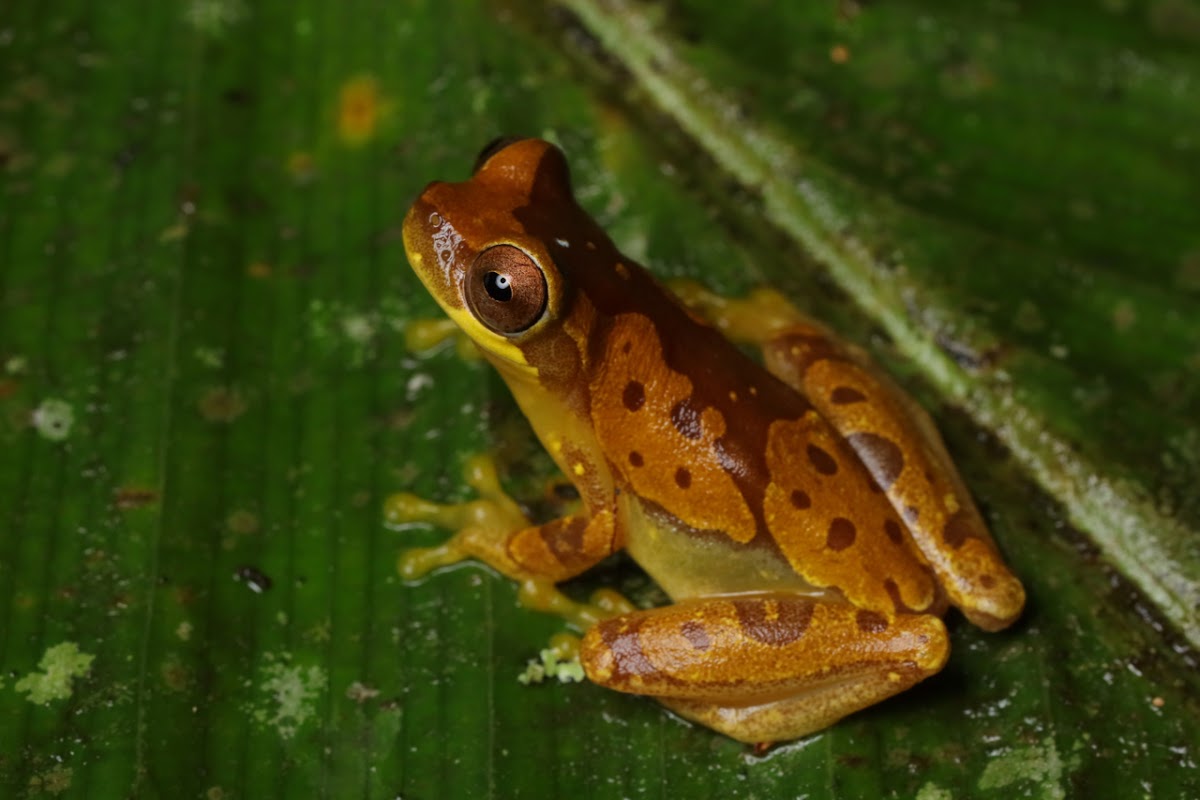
column 686, row 563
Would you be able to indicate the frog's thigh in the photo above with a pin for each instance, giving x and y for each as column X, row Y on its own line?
column 764, row 668
column 901, row 448
column 892, row 436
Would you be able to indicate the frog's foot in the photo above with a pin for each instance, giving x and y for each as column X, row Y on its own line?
column 541, row 595
column 494, row 530
column 755, row 319
column 483, row 525
column 423, row 335
column 764, row 668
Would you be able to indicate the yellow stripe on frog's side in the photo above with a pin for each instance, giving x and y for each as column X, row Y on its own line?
column 658, row 438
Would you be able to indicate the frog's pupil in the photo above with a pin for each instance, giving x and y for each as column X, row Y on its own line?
column 498, row 286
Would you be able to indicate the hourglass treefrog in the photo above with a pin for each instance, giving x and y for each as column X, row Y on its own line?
column 803, row 515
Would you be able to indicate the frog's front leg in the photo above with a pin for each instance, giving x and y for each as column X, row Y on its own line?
column 764, row 668
column 892, row 436
column 494, row 530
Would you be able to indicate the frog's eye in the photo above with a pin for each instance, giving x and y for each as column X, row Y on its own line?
column 505, row 289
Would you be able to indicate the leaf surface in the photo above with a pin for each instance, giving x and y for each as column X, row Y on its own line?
column 205, row 397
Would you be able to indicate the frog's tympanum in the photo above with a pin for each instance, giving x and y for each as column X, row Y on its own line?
column 803, row 516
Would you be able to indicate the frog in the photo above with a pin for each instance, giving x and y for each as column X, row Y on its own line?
column 798, row 508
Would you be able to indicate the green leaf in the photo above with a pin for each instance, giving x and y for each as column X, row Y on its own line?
column 205, row 398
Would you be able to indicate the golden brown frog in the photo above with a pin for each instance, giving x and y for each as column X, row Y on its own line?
column 804, row 517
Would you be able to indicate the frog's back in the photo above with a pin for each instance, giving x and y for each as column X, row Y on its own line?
column 707, row 441
column 738, row 483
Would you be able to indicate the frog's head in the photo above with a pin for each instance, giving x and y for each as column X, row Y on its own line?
column 497, row 281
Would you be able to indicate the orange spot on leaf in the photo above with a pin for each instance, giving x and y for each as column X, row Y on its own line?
column 360, row 109
column 127, row 497
column 259, row 269
column 301, row 166
column 221, row 404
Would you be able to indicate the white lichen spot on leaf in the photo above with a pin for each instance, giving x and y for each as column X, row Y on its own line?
column 55, row 780
column 360, row 692
column 289, row 694
column 551, row 666
column 359, row 328
column 349, row 335
column 53, row 419
column 16, row 365
column 1039, row 765
column 211, row 357
column 60, row 666
column 214, row 17
column 931, row 791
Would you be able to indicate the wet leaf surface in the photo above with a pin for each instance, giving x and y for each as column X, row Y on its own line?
column 205, row 397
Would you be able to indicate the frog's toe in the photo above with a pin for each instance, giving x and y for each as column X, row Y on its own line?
column 404, row 508
column 418, row 562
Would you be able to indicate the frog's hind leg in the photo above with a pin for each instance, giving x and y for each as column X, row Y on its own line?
column 764, row 668
column 891, row 434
